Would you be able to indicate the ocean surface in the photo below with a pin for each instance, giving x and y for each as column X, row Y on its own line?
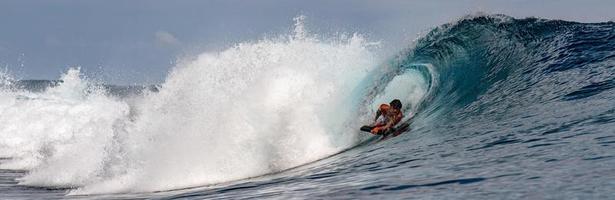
column 501, row 108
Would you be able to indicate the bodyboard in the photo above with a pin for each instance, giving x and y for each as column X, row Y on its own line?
column 395, row 131
column 367, row 128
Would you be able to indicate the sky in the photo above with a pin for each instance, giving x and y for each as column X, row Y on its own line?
column 139, row 41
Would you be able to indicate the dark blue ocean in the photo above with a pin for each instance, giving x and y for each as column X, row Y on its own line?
column 509, row 109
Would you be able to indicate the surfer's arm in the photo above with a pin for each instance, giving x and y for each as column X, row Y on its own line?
column 378, row 113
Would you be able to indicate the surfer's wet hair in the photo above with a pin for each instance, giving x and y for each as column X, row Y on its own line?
column 396, row 103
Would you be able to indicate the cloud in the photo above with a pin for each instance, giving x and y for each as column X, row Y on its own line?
column 166, row 39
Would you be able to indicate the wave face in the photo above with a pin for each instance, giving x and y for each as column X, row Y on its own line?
column 488, row 62
column 522, row 101
column 499, row 102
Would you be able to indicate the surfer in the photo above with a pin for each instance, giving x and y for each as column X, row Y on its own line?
column 387, row 116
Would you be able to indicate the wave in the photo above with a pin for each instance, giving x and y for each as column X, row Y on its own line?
column 270, row 105
column 485, row 62
column 255, row 108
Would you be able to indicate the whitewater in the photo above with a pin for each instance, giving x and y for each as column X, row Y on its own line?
column 499, row 107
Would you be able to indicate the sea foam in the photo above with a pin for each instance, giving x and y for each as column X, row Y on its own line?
column 252, row 109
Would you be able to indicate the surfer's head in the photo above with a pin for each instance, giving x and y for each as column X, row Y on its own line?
column 396, row 103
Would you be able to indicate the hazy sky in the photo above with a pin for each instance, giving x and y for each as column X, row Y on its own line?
column 137, row 41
